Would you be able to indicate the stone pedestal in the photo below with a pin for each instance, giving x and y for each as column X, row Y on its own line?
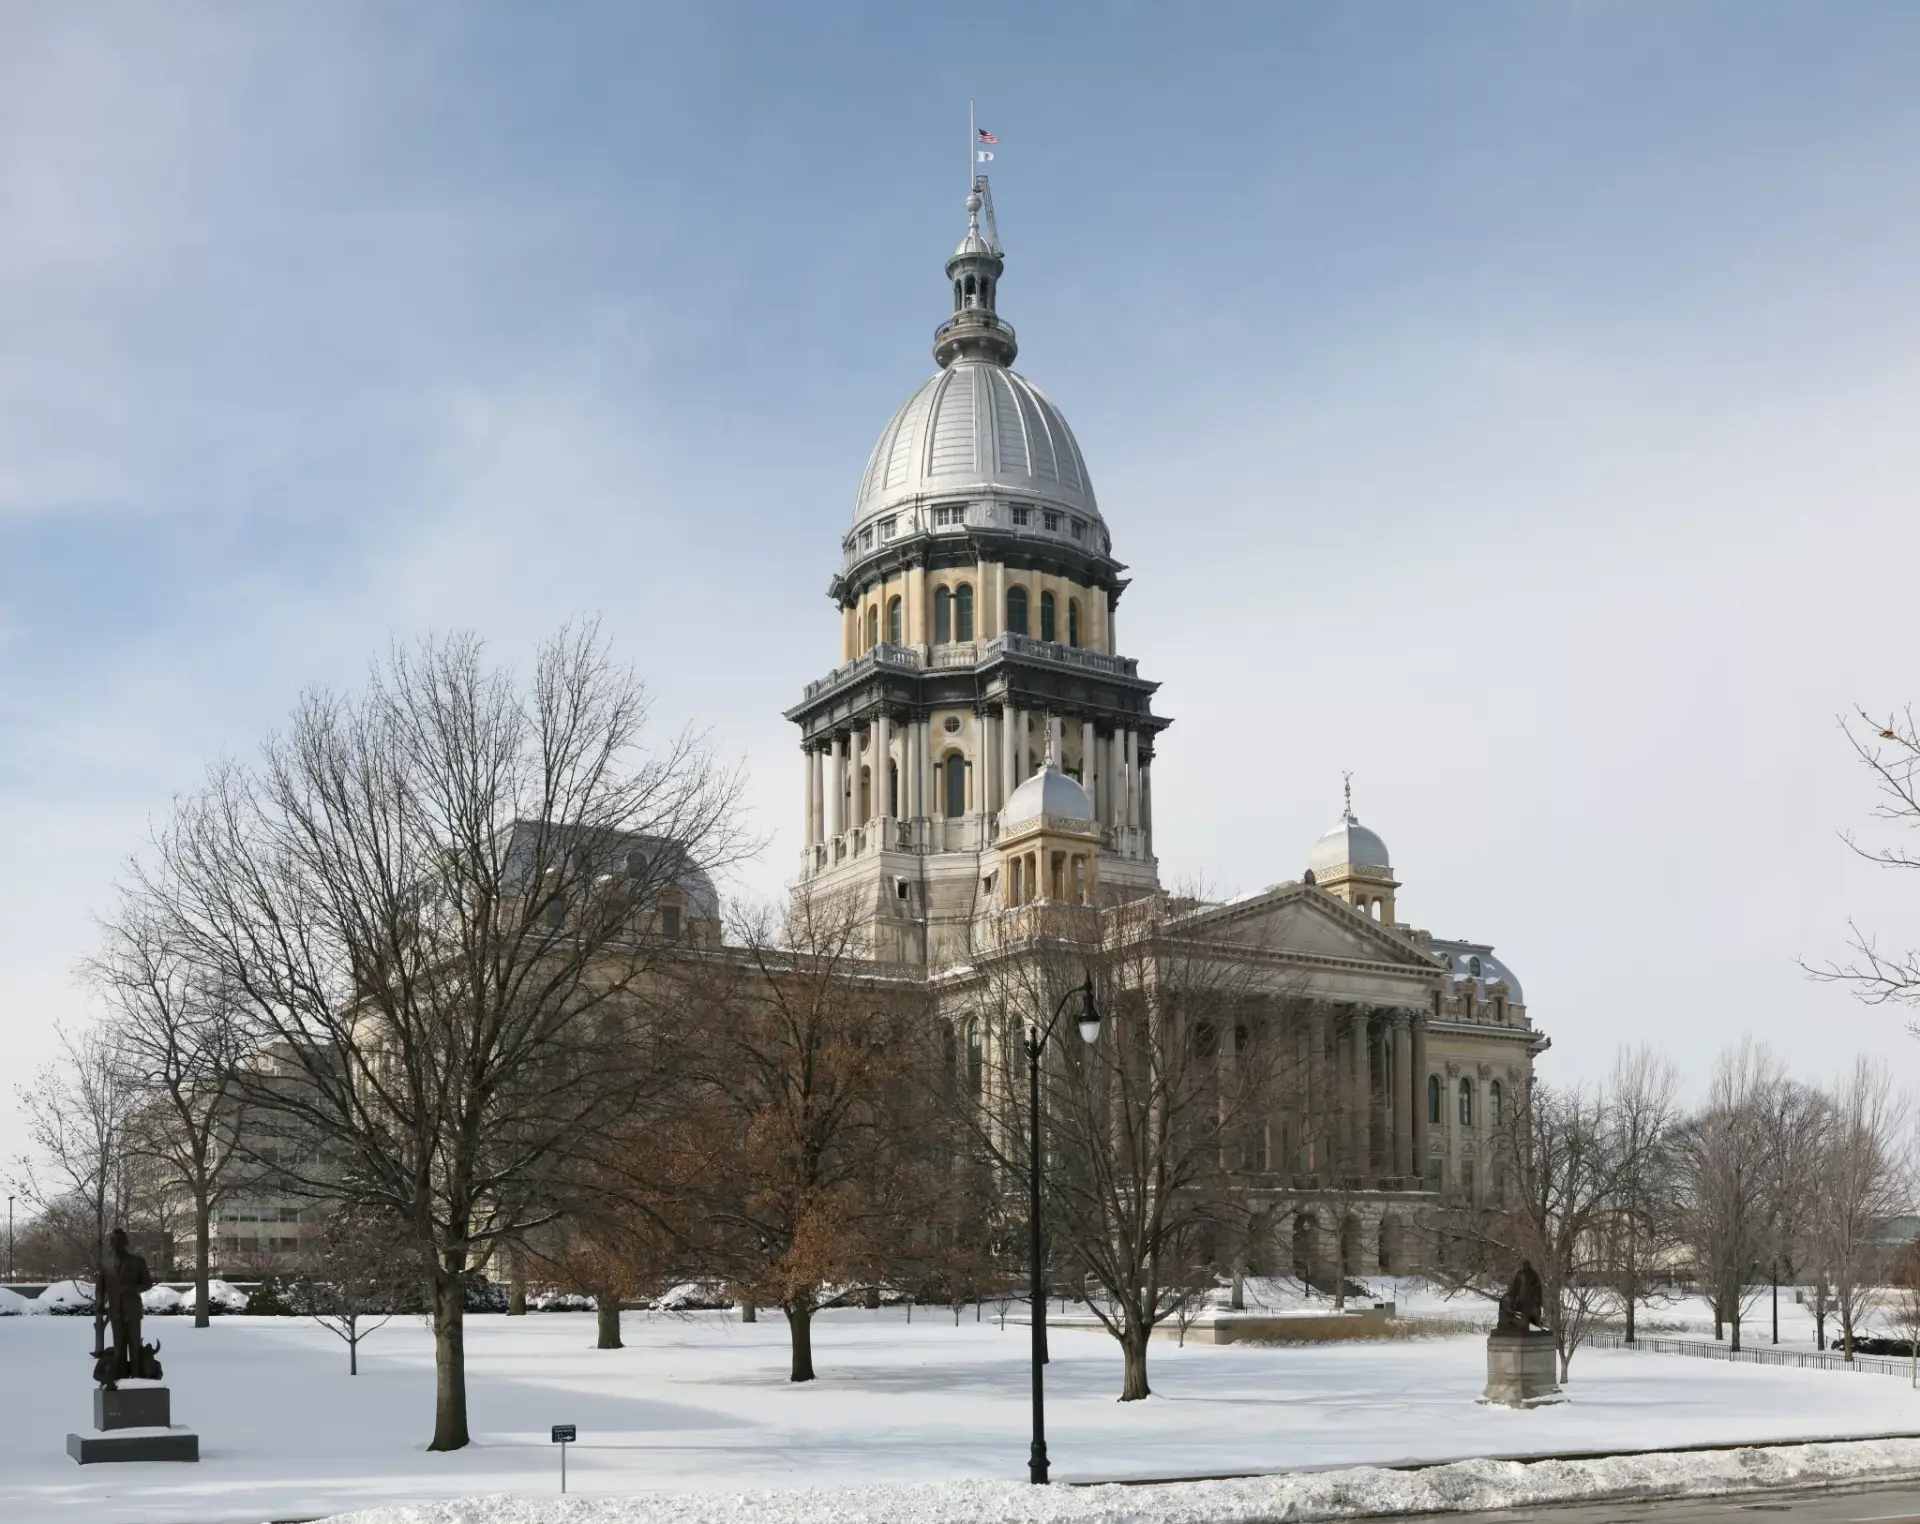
column 133, row 1423
column 1522, row 1370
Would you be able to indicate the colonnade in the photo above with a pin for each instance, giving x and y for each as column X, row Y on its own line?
column 1362, row 1111
column 889, row 767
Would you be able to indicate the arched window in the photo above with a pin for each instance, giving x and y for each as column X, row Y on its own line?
column 1073, row 621
column 893, row 620
column 1433, row 1100
column 956, row 296
column 1017, row 610
column 963, row 611
column 955, row 771
column 1466, row 1103
column 1493, row 1104
column 942, row 616
column 873, row 625
column 1046, row 616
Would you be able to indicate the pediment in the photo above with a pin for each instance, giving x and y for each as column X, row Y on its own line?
column 1302, row 921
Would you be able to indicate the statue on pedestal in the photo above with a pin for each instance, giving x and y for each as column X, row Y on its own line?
column 1522, row 1351
column 117, row 1286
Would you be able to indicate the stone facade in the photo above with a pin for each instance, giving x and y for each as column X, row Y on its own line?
column 978, row 653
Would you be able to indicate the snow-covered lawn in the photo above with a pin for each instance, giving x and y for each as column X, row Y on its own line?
column 702, row 1403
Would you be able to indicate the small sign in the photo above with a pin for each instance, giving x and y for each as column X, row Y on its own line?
column 564, row 1434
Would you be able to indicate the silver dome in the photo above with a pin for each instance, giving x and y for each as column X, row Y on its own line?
column 1348, row 844
column 975, row 428
column 1048, row 794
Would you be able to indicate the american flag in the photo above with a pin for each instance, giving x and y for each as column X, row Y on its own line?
column 987, row 137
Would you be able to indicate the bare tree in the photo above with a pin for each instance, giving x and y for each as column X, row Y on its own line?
column 79, row 1178
column 440, row 906
column 1891, row 753
column 1640, row 1220
column 798, row 1147
column 1861, row 1187
column 1567, row 1165
column 1147, row 1130
column 1727, row 1173
column 354, row 1274
column 177, row 1041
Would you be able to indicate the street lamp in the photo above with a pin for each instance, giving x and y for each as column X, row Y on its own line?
column 1089, row 1023
column 9, row 1240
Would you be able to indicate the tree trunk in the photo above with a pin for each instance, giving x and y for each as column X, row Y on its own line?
column 202, row 1252
column 871, row 1299
column 607, row 1318
column 749, row 1313
column 1629, row 1300
column 1239, row 1302
column 449, row 1360
column 516, row 1285
column 353, row 1350
column 1565, row 1352
column 800, row 1326
column 1133, row 1346
column 1736, row 1330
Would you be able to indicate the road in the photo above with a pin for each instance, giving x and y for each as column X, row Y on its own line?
column 1898, row 1503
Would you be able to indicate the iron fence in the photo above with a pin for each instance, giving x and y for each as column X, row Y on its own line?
column 1799, row 1359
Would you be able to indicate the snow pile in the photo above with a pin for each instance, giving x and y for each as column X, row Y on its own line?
column 64, row 1296
column 1300, row 1498
column 162, row 1301
column 226, row 1297
column 12, row 1304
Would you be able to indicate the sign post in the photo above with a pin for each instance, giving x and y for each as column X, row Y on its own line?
column 564, row 1435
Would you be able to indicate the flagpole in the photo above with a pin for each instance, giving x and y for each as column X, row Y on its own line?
column 972, row 133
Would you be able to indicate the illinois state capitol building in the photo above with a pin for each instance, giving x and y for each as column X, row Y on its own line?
column 984, row 745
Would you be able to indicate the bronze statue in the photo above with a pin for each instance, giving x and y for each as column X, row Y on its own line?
column 116, row 1297
column 1522, row 1307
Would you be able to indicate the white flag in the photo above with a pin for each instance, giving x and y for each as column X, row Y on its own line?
column 985, row 157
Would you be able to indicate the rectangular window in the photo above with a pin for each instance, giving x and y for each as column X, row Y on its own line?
column 1052, row 520
column 866, row 538
column 1022, row 516
column 670, row 922
column 949, row 514
column 886, row 529
column 1079, row 529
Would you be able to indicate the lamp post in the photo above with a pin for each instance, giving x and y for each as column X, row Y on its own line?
column 9, row 1240
column 1089, row 1024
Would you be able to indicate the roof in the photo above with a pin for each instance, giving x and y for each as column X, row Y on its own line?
column 976, row 427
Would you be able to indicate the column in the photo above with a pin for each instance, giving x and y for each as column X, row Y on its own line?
column 1117, row 780
column 1133, row 780
column 1056, row 737
column 836, row 788
column 1009, row 767
column 856, row 814
column 1089, row 750
column 882, row 763
column 1313, row 1078
column 923, row 758
column 1417, row 1078
column 813, row 794
column 1146, row 804
column 1360, row 1095
column 1401, row 1069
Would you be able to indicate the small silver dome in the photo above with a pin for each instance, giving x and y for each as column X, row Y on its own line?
column 1348, row 844
column 1048, row 794
column 976, row 428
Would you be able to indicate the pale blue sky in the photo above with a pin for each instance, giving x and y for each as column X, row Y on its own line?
column 1515, row 404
